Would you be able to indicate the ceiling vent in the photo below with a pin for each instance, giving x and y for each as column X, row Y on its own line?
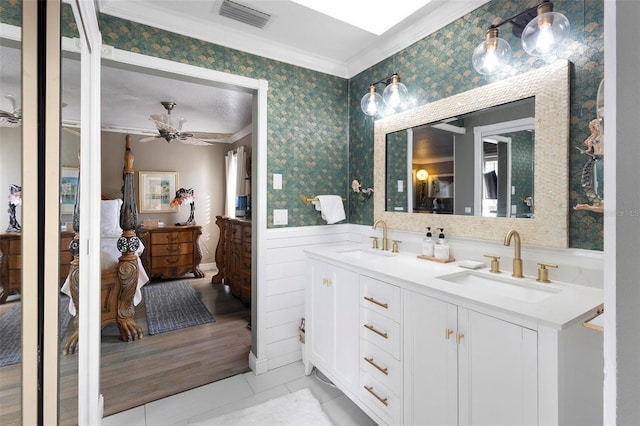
column 245, row 14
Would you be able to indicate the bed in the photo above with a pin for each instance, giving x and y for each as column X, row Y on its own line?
column 122, row 275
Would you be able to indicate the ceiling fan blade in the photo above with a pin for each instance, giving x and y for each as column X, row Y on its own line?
column 150, row 138
column 211, row 137
column 189, row 140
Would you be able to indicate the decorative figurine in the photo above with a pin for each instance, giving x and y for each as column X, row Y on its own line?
column 15, row 199
column 185, row 196
column 588, row 180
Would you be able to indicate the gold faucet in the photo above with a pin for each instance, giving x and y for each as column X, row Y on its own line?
column 385, row 240
column 517, row 261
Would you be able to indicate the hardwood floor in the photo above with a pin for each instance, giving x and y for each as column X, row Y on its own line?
column 157, row 366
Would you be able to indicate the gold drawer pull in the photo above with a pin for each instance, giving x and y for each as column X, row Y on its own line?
column 173, row 261
column 374, row 301
column 370, row 390
column 459, row 337
column 370, row 327
column 172, row 238
column 176, row 248
column 385, row 371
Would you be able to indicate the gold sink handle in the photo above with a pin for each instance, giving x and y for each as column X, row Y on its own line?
column 495, row 263
column 543, row 272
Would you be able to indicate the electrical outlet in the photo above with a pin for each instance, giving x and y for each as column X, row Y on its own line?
column 467, row 209
column 280, row 216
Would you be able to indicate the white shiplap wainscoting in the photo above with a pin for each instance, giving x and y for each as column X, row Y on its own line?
column 286, row 277
column 287, row 274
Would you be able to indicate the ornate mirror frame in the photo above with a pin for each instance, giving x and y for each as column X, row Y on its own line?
column 549, row 227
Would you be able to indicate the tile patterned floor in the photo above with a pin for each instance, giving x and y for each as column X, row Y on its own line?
column 241, row 391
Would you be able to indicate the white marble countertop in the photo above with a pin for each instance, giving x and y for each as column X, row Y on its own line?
column 562, row 305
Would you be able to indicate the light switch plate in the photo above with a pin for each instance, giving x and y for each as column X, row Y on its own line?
column 277, row 181
column 280, row 216
column 400, row 186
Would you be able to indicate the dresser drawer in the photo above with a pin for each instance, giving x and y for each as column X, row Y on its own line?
column 170, row 237
column 15, row 246
column 15, row 261
column 168, row 261
column 381, row 331
column 380, row 365
column 15, row 277
column 380, row 399
column 172, row 249
column 380, row 297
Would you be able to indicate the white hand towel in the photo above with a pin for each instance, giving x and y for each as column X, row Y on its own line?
column 331, row 208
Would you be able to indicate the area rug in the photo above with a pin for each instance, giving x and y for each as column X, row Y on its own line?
column 11, row 331
column 296, row 409
column 172, row 306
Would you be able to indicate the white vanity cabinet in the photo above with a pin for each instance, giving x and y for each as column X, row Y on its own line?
column 463, row 367
column 408, row 351
column 332, row 320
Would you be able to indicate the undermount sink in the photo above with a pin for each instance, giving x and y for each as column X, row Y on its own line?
column 366, row 254
column 515, row 288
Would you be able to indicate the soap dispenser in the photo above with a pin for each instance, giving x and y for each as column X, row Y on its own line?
column 427, row 244
column 441, row 249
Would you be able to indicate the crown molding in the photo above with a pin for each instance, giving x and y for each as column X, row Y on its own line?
column 444, row 12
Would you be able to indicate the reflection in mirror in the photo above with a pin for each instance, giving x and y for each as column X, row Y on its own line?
column 531, row 188
column 10, row 231
column 487, row 155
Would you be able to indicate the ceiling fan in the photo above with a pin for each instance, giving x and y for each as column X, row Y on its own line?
column 168, row 130
column 11, row 119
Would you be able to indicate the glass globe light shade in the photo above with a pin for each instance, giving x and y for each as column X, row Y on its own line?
column 372, row 103
column 492, row 54
column 395, row 94
column 545, row 32
column 422, row 175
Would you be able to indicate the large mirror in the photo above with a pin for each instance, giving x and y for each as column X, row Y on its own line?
column 11, row 303
column 487, row 154
column 497, row 158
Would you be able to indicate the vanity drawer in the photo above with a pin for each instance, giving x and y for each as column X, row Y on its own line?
column 380, row 365
column 380, row 399
column 381, row 331
column 380, row 297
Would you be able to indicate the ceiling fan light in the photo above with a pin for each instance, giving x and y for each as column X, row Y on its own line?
column 492, row 54
column 545, row 32
column 395, row 95
column 372, row 103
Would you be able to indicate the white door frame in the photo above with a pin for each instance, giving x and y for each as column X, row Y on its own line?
column 259, row 89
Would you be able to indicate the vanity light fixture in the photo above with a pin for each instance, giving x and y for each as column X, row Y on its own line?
column 539, row 28
column 394, row 96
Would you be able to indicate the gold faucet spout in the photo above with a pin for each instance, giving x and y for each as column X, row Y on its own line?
column 517, row 260
column 385, row 240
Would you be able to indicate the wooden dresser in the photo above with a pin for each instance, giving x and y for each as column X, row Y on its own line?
column 233, row 256
column 11, row 266
column 171, row 251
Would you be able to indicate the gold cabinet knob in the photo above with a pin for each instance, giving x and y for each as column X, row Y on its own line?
column 394, row 248
column 495, row 263
column 543, row 272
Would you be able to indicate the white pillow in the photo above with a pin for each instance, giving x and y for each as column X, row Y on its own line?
column 110, row 218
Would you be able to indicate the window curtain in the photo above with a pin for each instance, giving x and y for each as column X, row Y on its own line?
column 236, row 168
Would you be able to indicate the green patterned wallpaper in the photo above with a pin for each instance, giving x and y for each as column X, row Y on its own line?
column 320, row 144
column 439, row 66
column 522, row 160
